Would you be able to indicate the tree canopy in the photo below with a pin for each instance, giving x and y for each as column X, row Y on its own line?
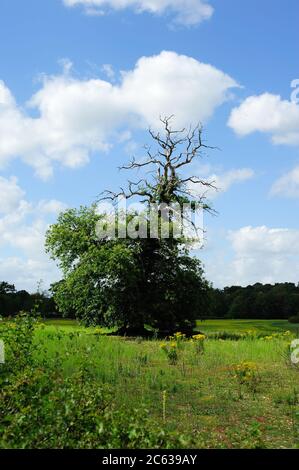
column 12, row 301
column 132, row 282
column 277, row 301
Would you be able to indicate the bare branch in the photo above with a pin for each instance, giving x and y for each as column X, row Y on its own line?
column 176, row 149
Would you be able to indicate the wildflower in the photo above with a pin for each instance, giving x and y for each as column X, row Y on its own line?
column 199, row 343
column 268, row 338
column 179, row 334
column 199, row 337
column 246, row 374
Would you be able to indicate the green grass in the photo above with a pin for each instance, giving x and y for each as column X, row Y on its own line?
column 206, row 326
column 203, row 397
column 202, row 393
column 239, row 326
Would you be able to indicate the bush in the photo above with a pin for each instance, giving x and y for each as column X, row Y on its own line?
column 171, row 351
column 246, row 374
column 42, row 407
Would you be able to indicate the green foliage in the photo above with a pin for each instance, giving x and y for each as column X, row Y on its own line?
column 132, row 282
column 246, row 374
column 18, row 338
column 12, row 301
column 40, row 407
column 124, row 283
column 171, row 351
column 199, row 343
column 269, row 301
column 100, row 277
column 75, row 387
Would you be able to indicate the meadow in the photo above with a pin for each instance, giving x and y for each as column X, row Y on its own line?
column 232, row 387
column 207, row 326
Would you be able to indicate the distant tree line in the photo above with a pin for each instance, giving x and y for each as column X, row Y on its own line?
column 13, row 301
column 279, row 301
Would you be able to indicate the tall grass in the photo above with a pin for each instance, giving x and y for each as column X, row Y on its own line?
column 199, row 396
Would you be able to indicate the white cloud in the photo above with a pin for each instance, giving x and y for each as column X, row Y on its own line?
column 27, row 273
column 174, row 84
column 263, row 254
column 108, row 71
column 221, row 180
column 79, row 117
column 51, row 207
column 10, row 194
column 251, row 254
column 22, row 232
column 186, row 12
column 287, row 185
column 269, row 114
column 224, row 181
column 253, row 240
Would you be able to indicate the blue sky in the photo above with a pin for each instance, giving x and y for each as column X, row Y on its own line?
column 80, row 82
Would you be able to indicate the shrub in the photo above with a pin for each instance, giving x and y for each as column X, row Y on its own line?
column 18, row 338
column 198, row 341
column 246, row 374
column 171, row 351
column 42, row 407
column 179, row 338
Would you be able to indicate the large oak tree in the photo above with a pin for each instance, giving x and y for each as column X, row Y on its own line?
column 129, row 283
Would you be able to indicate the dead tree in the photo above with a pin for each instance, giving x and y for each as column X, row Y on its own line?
column 164, row 262
column 175, row 150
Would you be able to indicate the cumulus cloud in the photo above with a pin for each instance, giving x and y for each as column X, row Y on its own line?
column 10, row 194
column 251, row 254
column 108, row 71
column 185, row 12
column 76, row 118
column 269, row 114
column 27, row 273
column 263, row 254
column 287, row 185
column 22, row 232
column 222, row 181
column 249, row 240
column 53, row 206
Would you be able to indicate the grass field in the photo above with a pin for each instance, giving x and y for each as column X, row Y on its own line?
column 201, row 396
column 261, row 326
column 208, row 326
